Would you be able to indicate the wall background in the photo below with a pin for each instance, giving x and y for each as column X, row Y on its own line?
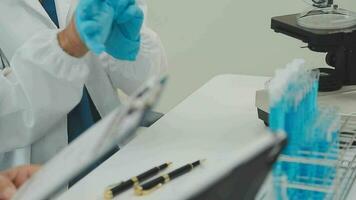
column 204, row 38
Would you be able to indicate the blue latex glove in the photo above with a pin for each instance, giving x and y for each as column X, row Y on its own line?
column 110, row 25
column 124, row 39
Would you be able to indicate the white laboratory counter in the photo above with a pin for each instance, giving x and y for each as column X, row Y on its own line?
column 218, row 123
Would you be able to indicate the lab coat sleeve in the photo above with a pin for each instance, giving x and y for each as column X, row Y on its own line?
column 151, row 61
column 44, row 85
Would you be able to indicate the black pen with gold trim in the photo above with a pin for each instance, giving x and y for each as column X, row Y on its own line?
column 158, row 182
column 114, row 190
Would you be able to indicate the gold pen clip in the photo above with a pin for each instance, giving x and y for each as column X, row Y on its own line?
column 135, row 180
column 140, row 192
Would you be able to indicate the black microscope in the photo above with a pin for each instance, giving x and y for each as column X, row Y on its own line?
column 326, row 29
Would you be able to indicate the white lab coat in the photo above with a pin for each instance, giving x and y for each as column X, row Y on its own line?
column 45, row 83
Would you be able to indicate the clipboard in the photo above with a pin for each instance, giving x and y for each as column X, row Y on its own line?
column 118, row 128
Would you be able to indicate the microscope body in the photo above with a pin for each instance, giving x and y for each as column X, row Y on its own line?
column 337, row 84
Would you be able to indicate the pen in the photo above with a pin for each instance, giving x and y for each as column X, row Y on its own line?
column 158, row 182
column 116, row 189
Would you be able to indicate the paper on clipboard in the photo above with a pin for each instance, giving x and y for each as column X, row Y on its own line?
column 118, row 128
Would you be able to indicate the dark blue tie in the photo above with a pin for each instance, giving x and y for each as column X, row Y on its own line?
column 81, row 117
column 50, row 7
column 85, row 114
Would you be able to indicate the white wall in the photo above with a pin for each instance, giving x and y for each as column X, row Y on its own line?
column 204, row 38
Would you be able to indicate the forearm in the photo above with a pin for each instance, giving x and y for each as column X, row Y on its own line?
column 44, row 85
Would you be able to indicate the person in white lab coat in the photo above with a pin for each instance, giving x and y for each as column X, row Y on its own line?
column 47, row 77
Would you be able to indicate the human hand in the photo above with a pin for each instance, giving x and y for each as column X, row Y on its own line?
column 14, row 178
column 7, row 188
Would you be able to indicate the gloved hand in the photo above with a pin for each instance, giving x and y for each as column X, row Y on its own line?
column 124, row 40
column 110, row 25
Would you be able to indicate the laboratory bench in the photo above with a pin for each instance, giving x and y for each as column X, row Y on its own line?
column 218, row 123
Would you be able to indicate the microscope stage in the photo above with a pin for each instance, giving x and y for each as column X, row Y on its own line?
column 318, row 40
